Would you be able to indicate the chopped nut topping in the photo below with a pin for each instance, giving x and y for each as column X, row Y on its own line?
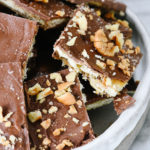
column 34, row 116
column 46, row 141
column 85, row 124
column 48, row 82
column 60, row 13
column 90, row 16
column 67, row 116
column 72, row 110
column 102, row 45
column 65, row 85
column 129, row 43
column 71, row 76
column 118, row 37
column 111, row 64
column 8, row 124
column 35, row 89
column 46, row 124
column 130, row 51
column 137, row 50
column 59, row 93
column 52, row 110
column 56, row 76
column 124, row 66
column 100, row 64
column 79, row 103
column 46, row 92
column 58, row 131
column 72, row 41
column 66, row 99
column 81, row 20
column 113, row 27
column 40, row 136
column 75, row 120
column 124, row 23
column 85, row 54
column 63, row 144
column 44, row 111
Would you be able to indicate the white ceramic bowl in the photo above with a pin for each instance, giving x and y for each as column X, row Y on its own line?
column 123, row 131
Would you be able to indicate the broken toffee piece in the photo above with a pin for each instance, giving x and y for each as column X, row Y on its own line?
column 56, row 112
column 98, row 50
column 16, row 40
column 106, row 4
column 13, row 124
column 122, row 102
column 48, row 15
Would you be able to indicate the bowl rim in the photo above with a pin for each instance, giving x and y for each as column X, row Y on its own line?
column 121, row 128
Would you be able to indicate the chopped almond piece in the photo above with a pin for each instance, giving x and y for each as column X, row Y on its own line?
column 129, row 43
column 46, row 92
column 52, row 110
column 66, row 99
column 63, row 144
column 46, row 141
column 71, row 76
column 64, row 85
column 100, row 64
column 48, row 82
column 58, row 131
column 34, row 116
column 60, row 13
column 72, row 41
column 56, row 76
column 137, row 50
column 72, row 110
column 35, row 89
column 81, row 20
column 46, row 124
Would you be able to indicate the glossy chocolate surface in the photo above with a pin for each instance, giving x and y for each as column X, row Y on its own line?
column 75, row 132
column 16, row 38
column 12, row 101
column 83, row 42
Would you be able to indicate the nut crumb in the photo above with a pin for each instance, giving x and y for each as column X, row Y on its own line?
column 60, row 13
column 56, row 76
column 72, row 110
column 34, row 116
column 53, row 109
column 58, row 131
column 100, row 64
column 72, row 41
column 46, row 124
column 63, row 144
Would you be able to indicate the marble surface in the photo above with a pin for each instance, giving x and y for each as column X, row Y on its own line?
column 142, row 10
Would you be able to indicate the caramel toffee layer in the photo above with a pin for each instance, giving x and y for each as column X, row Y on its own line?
column 56, row 112
column 107, row 4
column 48, row 15
column 13, row 125
column 16, row 39
column 97, row 48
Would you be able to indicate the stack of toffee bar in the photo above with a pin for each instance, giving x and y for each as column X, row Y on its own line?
column 95, row 43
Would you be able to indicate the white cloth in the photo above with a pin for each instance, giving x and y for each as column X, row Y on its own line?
column 142, row 10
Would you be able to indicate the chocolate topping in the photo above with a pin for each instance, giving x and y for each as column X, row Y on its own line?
column 16, row 38
column 107, row 4
column 46, row 14
column 13, row 124
column 69, row 119
column 84, row 43
column 122, row 102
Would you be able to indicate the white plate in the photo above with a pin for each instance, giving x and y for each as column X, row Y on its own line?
column 123, row 131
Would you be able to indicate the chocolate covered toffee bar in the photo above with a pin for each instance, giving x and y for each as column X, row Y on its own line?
column 16, row 40
column 48, row 15
column 57, row 115
column 106, row 4
column 13, row 125
column 98, row 50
